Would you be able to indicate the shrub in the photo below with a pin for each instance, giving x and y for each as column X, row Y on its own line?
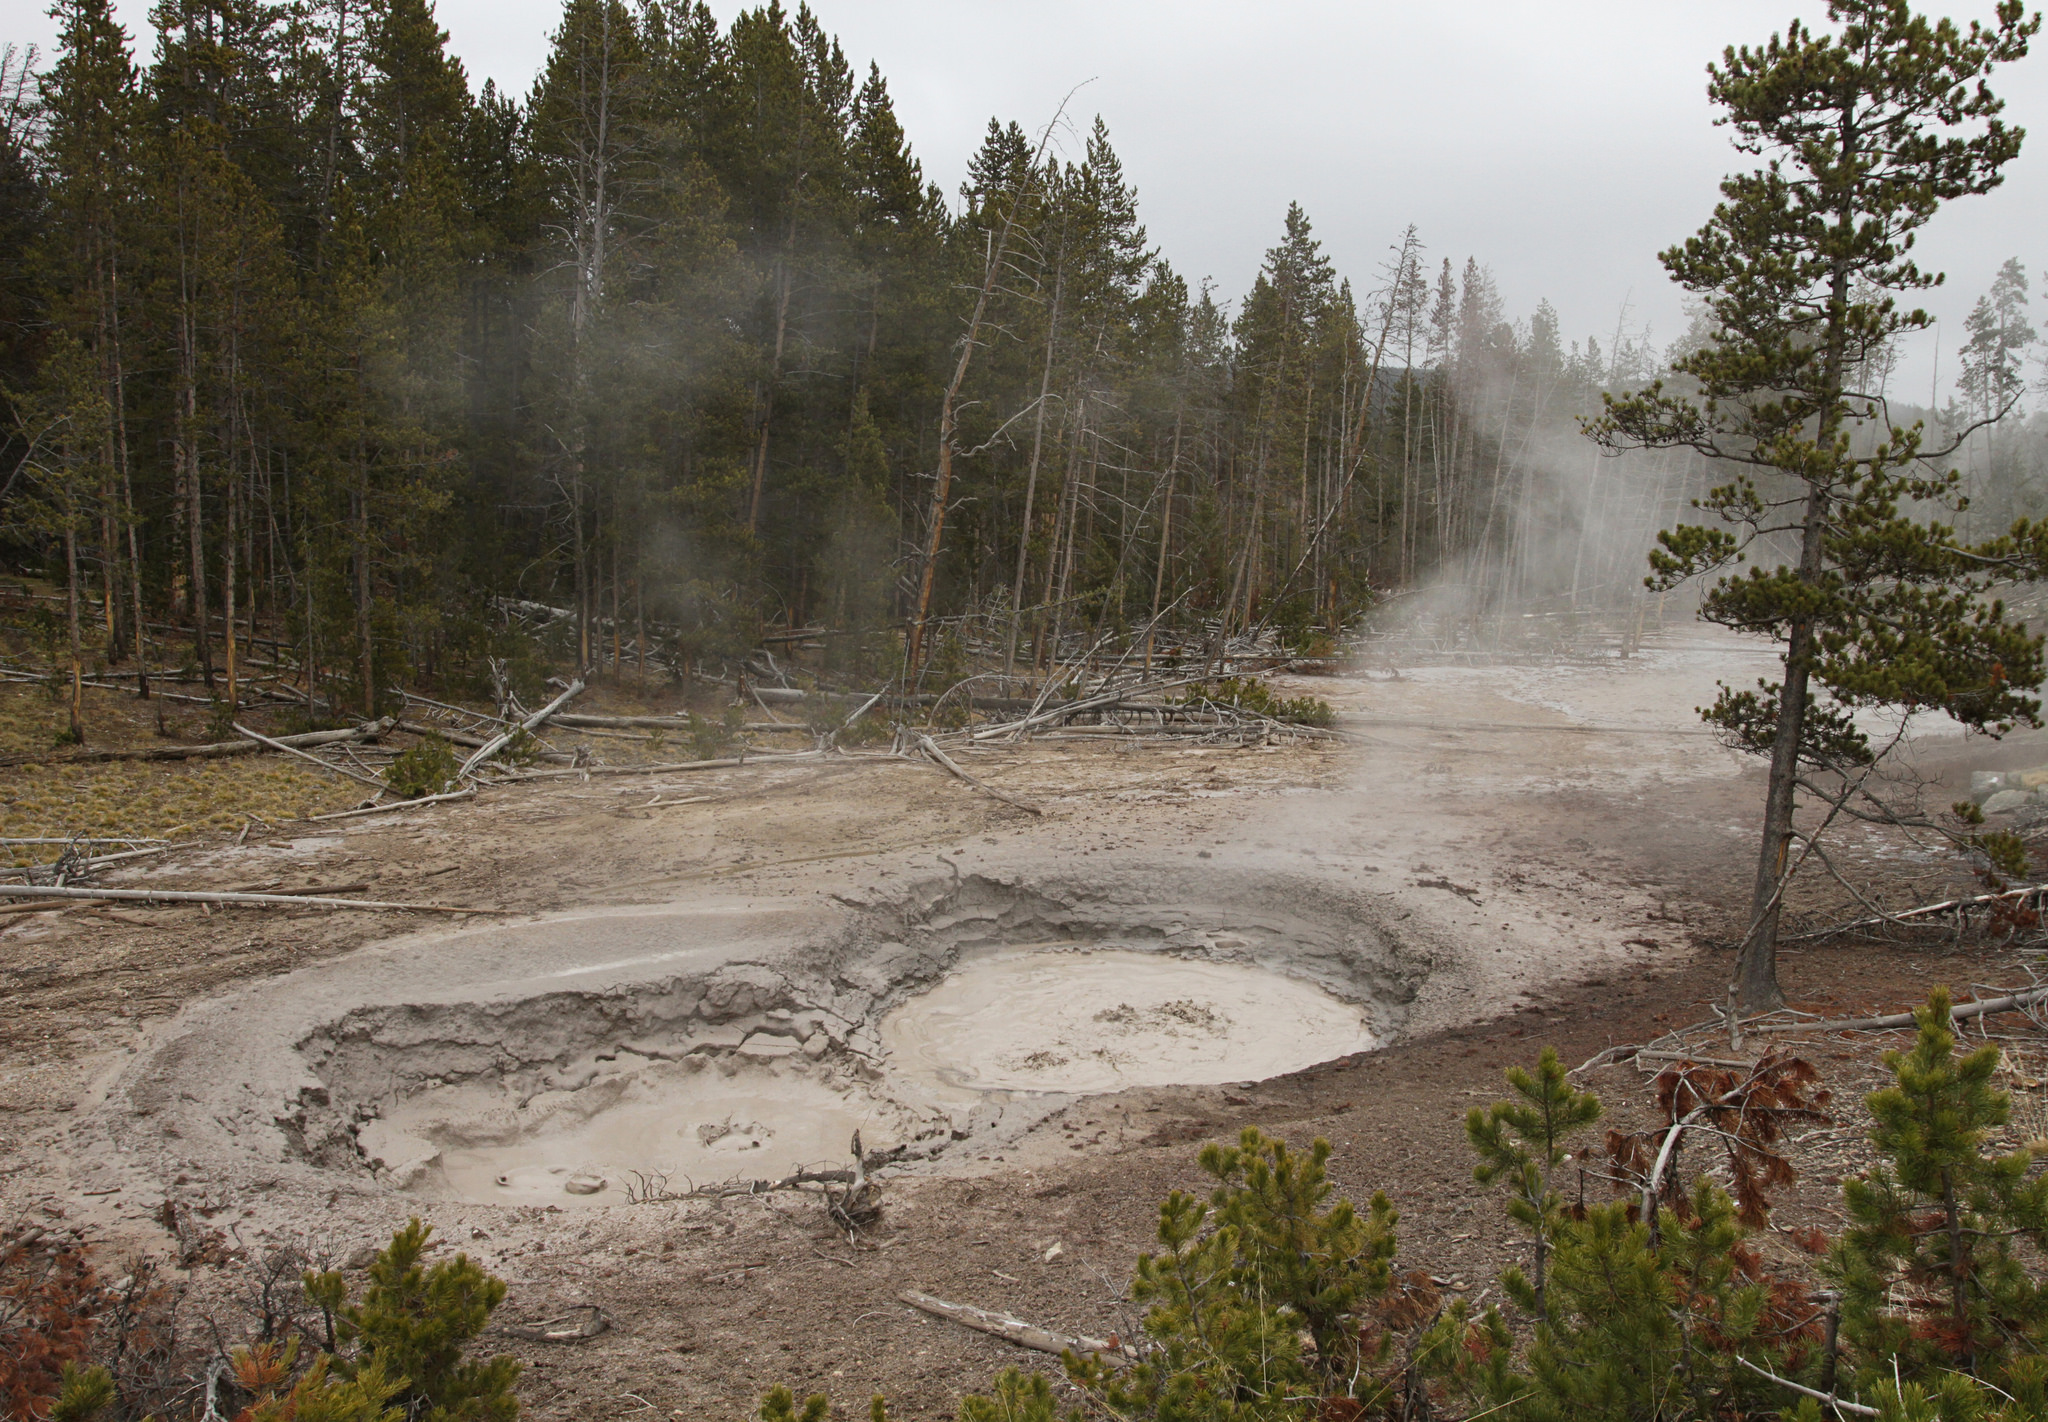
column 414, row 1324
column 48, row 1302
column 712, row 739
column 426, row 768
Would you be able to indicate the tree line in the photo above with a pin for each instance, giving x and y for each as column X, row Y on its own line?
column 308, row 347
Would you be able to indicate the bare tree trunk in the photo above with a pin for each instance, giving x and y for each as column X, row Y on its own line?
column 127, row 491
column 365, row 653
column 942, row 488
column 71, row 626
column 1031, row 476
column 774, row 376
column 228, row 592
column 187, row 454
column 1165, row 540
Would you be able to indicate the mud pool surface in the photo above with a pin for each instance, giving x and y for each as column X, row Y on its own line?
column 1053, row 1019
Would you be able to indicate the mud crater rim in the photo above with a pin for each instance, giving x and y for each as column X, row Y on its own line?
column 754, row 1068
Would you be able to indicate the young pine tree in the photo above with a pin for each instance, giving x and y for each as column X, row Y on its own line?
column 1521, row 1142
column 1931, row 1277
column 416, row 1323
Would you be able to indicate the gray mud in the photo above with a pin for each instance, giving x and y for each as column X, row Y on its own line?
column 583, row 1058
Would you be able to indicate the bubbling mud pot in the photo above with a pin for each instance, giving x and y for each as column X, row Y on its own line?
column 1065, row 1019
column 599, row 1059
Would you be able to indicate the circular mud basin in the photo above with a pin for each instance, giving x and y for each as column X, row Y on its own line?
column 1074, row 1021
column 602, row 1058
column 648, row 1130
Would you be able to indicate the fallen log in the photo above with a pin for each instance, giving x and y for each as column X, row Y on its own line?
column 379, row 727
column 1016, row 1330
column 463, row 794
column 201, row 896
column 560, row 1330
column 529, row 726
column 216, row 750
column 1961, row 1012
column 35, row 906
column 675, row 767
column 930, row 748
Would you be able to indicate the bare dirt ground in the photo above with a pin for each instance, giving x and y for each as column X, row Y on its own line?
column 1570, row 825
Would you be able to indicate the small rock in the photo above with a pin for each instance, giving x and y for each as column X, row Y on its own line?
column 2008, row 800
column 584, row 1184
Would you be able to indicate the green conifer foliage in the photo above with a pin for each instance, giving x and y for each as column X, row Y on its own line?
column 416, row 1323
column 1866, row 132
column 1930, row 1268
column 1522, row 1142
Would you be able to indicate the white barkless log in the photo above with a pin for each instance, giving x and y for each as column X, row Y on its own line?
column 529, row 725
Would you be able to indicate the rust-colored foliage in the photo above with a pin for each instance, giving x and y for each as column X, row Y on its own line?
column 48, row 1303
column 1747, row 1113
column 262, row 1370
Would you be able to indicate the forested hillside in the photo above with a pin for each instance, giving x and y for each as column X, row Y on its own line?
column 308, row 345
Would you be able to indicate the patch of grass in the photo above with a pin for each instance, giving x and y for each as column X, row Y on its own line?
column 1249, row 693
column 178, row 800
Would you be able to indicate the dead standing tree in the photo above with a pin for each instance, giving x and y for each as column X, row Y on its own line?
column 992, row 267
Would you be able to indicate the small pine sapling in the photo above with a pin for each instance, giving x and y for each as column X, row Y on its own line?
column 82, row 1394
column 427, row 768
column 1522, row 1141
column 264, row 1369
column 1321, row 1260
column 1928, row 1269
column 779, row 1405
column 414, row 1323
column 1017, row 1396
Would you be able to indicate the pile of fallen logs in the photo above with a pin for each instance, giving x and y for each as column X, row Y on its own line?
column 1097, row 692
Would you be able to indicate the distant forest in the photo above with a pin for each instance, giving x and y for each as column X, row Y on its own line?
column 303, row 344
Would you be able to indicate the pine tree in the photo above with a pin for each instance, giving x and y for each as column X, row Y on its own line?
column 1930, row 1275
column 1522, row 1141
column 416, row 1323
column 1868, row 131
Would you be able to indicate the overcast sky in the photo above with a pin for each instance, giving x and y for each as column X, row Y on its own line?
column 1563, row 143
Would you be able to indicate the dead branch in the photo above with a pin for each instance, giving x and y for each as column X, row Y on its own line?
column 1838, row 1403
column 201, row 896
column 560, row 1330
column 2017, row 1002
column 1016, row 1330
column 1923, row 911
column 926, row 744
column 379, row 726
column 467, row 792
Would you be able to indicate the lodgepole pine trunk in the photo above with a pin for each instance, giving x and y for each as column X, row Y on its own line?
column 1031, row 475
column 71, row 627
